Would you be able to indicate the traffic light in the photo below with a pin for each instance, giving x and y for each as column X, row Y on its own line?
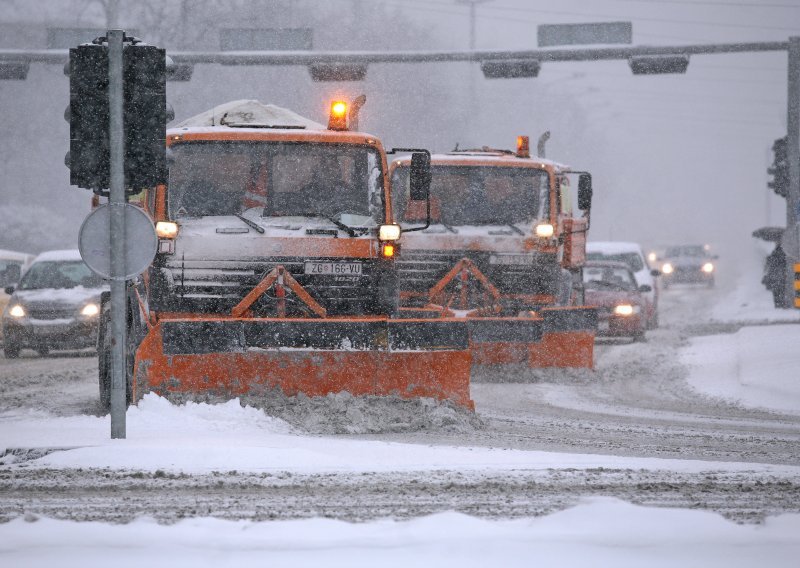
column 779, row 168
column 88, row 157
column 145, row 116
column 145, row 109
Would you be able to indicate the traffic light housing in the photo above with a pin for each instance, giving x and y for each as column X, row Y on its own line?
column 88, row 159
column 779, row 168
column 144, row 116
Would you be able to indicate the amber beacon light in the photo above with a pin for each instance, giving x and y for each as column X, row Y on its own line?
column 338, row 116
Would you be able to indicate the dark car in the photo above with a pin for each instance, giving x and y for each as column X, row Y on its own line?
column 612, row 288
column 55, row 306
column 689, row 264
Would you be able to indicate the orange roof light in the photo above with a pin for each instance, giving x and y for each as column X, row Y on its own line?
column 523, row 147
column 388, row 250
column 338, row 116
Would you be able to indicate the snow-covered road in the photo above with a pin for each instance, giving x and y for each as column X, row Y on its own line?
column 656, row 424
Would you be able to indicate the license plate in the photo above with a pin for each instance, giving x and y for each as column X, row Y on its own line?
column 334, row 268
column 510, row 259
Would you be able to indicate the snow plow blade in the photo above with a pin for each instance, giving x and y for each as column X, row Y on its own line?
column 567, row 339
column 503, row 340
column 228, row 357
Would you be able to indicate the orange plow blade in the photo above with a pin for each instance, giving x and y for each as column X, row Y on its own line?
column 556, row 337
column 229, row 357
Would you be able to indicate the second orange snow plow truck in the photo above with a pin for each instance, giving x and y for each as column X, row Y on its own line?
column 276, row 269
column 502, row 249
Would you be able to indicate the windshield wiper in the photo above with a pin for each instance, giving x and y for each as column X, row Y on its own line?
column 249, row 223
column 351, row 232
column 515, row 229
column 608, row 284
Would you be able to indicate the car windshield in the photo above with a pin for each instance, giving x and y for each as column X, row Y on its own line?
column 597, row 277
column 632, row 259
column 282, row 179
column 477, row 195
column 59, row 274
column 693, row 250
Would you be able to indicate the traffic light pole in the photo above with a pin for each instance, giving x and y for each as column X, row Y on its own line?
column 791, row 238
column 117, row 232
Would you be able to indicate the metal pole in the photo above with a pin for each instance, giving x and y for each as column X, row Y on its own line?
column 117, row 231
column 791, row 238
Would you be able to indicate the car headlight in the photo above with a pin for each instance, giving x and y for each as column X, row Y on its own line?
column 626, row 310
column 17, row 311
column 708, row 268
column 90, row 310
column 667, row 268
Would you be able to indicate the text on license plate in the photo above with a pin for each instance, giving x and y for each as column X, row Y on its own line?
column 338, row 268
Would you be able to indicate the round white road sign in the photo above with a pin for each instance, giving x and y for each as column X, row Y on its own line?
column 94, row 241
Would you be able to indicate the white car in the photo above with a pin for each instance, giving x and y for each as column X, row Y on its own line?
column 632, row 255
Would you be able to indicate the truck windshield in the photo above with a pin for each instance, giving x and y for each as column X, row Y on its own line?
column 279, row 178
column 67, row 274
column 477, row 195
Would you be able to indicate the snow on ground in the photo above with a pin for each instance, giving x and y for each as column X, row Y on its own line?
column 162, row 436
column 599, row 533
column 750, row 301
column 756, row 366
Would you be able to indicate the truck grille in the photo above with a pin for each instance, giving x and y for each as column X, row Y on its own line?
column 421, row 270
column 218, row 285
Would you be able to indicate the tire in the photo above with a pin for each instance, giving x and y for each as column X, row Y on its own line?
column 43, row 351
column 640, row 338
column 11, row 350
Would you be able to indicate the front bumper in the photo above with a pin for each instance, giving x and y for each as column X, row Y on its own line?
column 688, row 276
column 72, row 333
column 609, row 325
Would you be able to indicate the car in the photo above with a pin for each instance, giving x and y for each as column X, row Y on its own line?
column 612, row 288
column 12, row 265
column 55, row 306
column 631, row 254
column 689, row 264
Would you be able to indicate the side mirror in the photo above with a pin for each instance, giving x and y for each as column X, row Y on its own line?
column 585, row 192
column 655, row 272
column 645, row 288
column 9, row 290
column 420, row 176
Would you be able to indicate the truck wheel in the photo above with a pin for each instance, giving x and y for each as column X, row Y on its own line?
column 11, row 350
column 43, row 351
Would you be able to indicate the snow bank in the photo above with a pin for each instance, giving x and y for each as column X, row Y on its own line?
column 756, row 366
column 750, row 301
column 202, row 438
column 598, row 533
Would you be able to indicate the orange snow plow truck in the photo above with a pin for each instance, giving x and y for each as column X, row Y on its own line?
column 276, row 268
column 500, row 248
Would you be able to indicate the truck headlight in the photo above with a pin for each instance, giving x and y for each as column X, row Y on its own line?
column 90, row 310
column 389, row 232
column 17, row 311
column 626, row 310
column 667, row 268
column 708, row 268
column 166, row 230
column 544, row 230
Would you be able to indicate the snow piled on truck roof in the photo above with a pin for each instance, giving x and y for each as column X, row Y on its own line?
column 249, row 112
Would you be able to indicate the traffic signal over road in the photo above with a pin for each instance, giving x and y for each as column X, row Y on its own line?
column 144, row 109
column 779, row 168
